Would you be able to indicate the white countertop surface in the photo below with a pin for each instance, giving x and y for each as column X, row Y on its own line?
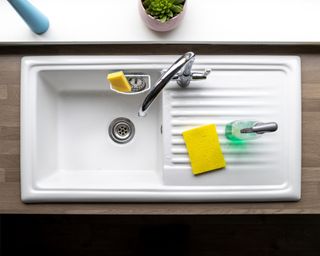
column 206, row 21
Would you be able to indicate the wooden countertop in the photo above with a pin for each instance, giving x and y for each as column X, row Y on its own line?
column 10, row 135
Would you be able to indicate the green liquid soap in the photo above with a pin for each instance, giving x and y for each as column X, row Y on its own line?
column 233, row 131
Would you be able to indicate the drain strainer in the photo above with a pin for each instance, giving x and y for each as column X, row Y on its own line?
column 121, row 130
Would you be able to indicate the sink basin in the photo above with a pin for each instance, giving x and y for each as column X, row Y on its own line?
column 67, row 153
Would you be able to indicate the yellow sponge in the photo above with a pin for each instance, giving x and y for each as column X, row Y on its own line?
column 119, row 82
column 204, row 149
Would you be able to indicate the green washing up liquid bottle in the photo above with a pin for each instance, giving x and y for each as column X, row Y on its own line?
column 248, row 130
column 233, row 130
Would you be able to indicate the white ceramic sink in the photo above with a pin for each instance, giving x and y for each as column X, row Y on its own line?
column 67, row 154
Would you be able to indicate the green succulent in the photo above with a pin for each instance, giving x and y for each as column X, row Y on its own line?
column 163, row 10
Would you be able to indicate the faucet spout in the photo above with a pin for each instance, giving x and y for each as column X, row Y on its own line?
column 184, row 63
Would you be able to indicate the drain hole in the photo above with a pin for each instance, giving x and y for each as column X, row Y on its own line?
column 121, row 130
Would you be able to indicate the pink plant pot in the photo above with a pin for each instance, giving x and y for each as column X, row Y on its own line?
column 156, row 24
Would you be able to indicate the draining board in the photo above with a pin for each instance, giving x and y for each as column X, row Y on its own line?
column 240, row 88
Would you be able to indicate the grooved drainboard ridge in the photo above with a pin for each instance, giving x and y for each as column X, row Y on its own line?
column 236, row 92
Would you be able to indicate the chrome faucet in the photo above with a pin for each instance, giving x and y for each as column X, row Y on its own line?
column 181, row 71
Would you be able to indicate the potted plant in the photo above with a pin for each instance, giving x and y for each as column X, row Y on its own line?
column 162, row 15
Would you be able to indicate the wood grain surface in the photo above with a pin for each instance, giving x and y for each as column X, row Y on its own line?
column 10, row 202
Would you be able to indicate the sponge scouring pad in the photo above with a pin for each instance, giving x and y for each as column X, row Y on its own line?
column 204, row 149
column 119, row 82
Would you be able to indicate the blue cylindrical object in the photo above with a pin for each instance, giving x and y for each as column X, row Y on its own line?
column 37, row 22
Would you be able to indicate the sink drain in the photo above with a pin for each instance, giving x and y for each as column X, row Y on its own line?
column 121, row 130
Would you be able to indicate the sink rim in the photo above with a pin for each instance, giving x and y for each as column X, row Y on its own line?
column 174, row 194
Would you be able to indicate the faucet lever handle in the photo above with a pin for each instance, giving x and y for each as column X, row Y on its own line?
column 199, row 75
column 196, row 75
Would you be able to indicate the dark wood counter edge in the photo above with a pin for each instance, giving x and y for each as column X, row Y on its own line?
column 10, row 117
column 123, row 49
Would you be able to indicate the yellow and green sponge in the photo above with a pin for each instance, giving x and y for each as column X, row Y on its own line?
column 204, row 149
column 119, row 82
